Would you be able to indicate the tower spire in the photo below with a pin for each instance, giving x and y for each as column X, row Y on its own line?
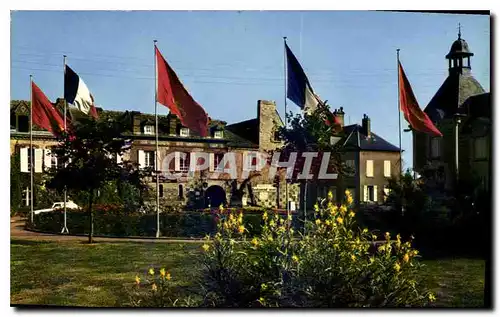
column 459, row 31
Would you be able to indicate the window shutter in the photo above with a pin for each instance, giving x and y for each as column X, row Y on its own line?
column 369, row 168
column 387, row 168
column 38, row 160
column 47, row 159
column 142, row 158
column 177, row 161
column 375, row 193
column 365, row 193
column 24, row 160
column 211, row 159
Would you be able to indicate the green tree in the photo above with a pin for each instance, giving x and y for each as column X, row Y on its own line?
column 88, row 160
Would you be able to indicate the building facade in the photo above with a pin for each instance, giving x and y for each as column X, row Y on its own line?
column 461, row 110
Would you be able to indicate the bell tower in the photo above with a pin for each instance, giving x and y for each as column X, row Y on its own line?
column 459, row 55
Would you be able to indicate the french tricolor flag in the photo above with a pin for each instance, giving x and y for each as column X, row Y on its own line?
column 299, row 89
column 77, row 93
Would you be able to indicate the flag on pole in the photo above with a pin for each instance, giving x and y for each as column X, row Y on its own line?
column 45, row 115
column 299, row 89
column 418, row 120
column 77, row 93
column 171, row 93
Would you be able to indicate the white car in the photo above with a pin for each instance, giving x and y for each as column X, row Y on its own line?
column 57, row 206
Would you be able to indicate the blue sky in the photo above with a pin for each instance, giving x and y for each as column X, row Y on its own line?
column 228, row 59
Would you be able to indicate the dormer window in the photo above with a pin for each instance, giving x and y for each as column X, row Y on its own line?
column 149, row 129
column 218, row 134
column 184, row 132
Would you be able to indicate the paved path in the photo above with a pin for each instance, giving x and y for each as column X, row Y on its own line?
column 17, row 231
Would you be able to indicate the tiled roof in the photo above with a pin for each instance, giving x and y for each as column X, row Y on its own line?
column 356, row 139
column 451, row 95
column 248, row 128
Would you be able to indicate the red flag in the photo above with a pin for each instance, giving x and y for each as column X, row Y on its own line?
column 172, row 94
column 418, row 120
column 45, row 115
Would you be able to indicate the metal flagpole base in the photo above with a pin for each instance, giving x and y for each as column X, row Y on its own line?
column 65, row 230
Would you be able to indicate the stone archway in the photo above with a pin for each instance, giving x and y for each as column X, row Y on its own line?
column 215, row 196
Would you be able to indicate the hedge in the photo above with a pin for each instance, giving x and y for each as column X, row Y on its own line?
column 183, row 224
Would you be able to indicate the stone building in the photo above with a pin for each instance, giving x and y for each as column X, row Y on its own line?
column 211, row 187
column 369, row 160
column 460, row 107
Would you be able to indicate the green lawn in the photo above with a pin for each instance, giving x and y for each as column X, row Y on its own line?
column 78, row 274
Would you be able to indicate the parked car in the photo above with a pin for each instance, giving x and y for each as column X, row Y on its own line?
column 57, row 206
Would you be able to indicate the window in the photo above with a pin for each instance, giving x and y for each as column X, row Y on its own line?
column 350, row 167
column 251, row 161
column 480, row 148
column 149, row 129
column 184, row 163
column 370, row 193
column 435, row 147
column 160, row 190
column 387, row 168
column 369, row 168
column 149, row 159
column 184, row 132
column 387, row 191
column 26, row 199
column 218, row 134
column 23, row 124
column 218, row 158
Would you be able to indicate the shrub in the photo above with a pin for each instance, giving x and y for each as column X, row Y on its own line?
column 330, row 265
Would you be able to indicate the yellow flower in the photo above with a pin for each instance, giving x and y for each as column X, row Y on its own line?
column 206, row 247
column 240, row 218
column 263, row 286
column 387, row 235
column 432, row 297
column 162, row 272
column 226, row 225
column 347, row 193
column 397, row 267
column 415, row 252
column 137, row 280
column 340, row 220
column 255, row 242
column 406, row 258
column 372, row 260
column 318, row 222
column 151, row 271
column 351, row 214
column 316, row 207
column 154, row 287
column 295, row 258
column 365, row 230
column 349, row 200
column 264, row 215
column 231, row 217
column 330, row 195
column 381, row 248
column 272, row 223
column 221, row 207
column 168, row 276
column 270, row 238
column 353, row 257
column 374, row 237
column 241, row 229
column 343, row 209
column 328, row 222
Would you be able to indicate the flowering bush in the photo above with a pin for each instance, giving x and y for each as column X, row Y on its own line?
column 330, row 265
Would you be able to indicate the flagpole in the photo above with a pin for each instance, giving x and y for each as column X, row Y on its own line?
column 399, row 133
column 65, row 228
column 157, row 165
column 31, row 147
column 286, row 126
column 399, row 118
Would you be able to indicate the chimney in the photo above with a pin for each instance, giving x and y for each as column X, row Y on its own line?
column 366, row 125
column 339, row 114
column 172, row 124
column 136, row 122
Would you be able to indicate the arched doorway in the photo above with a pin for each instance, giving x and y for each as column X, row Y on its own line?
column 215, row 196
